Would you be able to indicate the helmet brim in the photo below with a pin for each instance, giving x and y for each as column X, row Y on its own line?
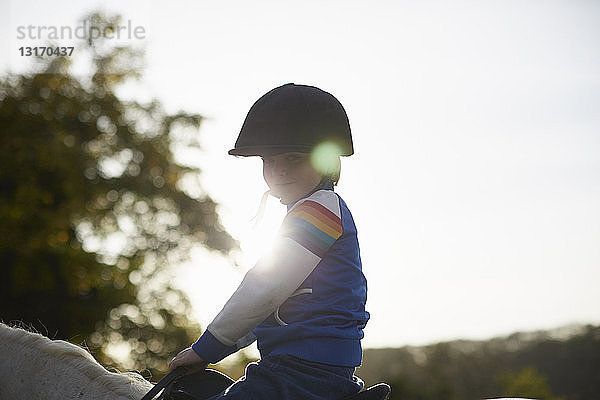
column 267, row 151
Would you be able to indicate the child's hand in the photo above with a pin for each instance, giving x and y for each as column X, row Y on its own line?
column 188, row 357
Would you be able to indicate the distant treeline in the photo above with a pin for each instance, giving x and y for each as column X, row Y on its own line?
column 558, row 364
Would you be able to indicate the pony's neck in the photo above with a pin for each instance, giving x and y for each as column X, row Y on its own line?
column 35, row 367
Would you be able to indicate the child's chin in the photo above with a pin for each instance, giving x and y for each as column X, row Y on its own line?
column 286, row 198
column 283, row 199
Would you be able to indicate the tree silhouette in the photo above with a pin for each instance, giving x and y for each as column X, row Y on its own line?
column 93, row 209
column 557, row 364
column 527, row 383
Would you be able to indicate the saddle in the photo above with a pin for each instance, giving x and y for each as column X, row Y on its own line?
column 201, row 385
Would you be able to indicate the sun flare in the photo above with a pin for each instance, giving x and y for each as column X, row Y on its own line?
column 260, row 235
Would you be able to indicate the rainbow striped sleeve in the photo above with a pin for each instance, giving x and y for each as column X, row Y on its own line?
column 313, row 226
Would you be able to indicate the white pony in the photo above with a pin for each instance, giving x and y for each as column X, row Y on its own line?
column 34, row 367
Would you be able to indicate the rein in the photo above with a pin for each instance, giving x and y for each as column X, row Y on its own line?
column 164, row 382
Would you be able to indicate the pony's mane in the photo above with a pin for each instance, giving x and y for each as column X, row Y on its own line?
column 122, row 384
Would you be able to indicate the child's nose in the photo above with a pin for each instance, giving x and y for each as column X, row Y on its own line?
column 282, row 172
column 280, row 168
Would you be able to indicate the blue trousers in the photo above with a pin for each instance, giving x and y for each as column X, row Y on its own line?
column 285, row 377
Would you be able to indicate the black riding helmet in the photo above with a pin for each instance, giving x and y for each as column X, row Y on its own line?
column 294, row 118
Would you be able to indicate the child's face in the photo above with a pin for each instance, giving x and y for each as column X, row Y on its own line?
column 290, row 176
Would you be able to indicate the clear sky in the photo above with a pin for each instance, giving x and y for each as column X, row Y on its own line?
column 476, row 180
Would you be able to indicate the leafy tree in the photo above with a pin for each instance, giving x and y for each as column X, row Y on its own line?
column 527, row 383
column 94, row 208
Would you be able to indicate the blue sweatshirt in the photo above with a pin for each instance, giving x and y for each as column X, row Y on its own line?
column 307, row 299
